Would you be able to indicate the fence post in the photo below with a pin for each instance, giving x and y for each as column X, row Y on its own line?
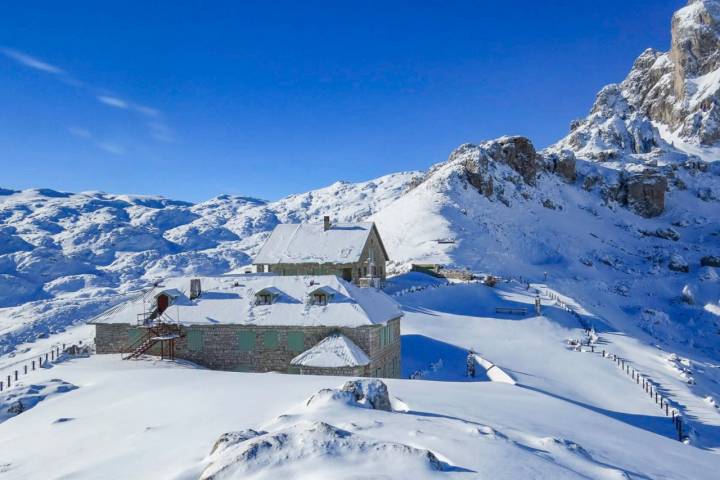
column 8, row 381
column 33, row 365
column 46, row 358
column 25, row 369
column 667, row 409
column 16, row 375
column 680, row 429
column 1, row 386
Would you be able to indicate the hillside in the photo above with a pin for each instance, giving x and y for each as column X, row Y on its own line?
column 619, row 219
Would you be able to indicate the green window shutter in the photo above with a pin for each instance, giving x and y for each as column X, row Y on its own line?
column 246, row 340
column 195, row 340
column 270, row 339
column 296, row 341
column 293, row 369
column 134, row 335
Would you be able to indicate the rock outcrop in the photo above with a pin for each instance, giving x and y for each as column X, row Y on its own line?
column 643, row 193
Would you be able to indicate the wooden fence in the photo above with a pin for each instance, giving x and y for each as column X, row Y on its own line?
column 11, row 373
column 648, row 386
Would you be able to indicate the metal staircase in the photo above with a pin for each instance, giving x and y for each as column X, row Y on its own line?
column 157, row 332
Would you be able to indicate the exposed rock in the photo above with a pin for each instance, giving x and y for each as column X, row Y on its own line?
column 664, row 233
column 516, row 152
column 547, row 203
column 561, row 163
column 644, row 194
column 374, row 392
column 678, row 264
column 687, row 295
column 232, row 438
column 710, row 261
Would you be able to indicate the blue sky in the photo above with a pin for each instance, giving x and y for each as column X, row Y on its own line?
column 195, row 99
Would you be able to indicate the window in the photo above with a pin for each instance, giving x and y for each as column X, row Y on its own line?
column 246, row 340
column 378, row 372
column 263, row 299
column 195, row 340
column 270, row 339
column 296, row 341
column 319, row 299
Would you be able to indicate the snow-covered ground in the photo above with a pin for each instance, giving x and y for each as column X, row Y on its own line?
column 570, row 415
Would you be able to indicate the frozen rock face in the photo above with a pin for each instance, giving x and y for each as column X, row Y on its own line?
column 482, row 163
column 644, row 194
column 677, row 92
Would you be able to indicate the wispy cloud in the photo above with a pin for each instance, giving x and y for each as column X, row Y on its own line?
column 111, row 148
column 32, row 62
column 85, row 134
column 79, row 132
column 113, row 101
column 153, row 119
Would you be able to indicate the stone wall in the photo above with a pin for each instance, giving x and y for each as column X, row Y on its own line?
column 264, row 348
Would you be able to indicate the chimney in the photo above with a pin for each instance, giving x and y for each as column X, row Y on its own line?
column 326, row 223
column 195, row 288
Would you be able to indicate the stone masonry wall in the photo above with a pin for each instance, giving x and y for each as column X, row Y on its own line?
column 219, row 346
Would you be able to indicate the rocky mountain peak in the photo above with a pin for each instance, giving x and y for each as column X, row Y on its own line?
column 695, row 46
column 668, row 101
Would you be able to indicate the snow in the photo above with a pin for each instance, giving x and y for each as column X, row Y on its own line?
column 311, row 243
column 333, row 351
column 571, row 415
column 231, row 299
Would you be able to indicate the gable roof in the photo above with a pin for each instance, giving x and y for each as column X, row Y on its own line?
column 311, row 243
column 333, row 351
column 230, row 299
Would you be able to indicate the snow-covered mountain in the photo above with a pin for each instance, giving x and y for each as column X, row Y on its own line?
column 623, row 213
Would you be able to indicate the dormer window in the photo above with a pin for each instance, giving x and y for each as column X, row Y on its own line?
column 263, row 299
column 319, row 299
column 267, row 296
column 321, row 296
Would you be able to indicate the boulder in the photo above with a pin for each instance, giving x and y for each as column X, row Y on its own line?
column 678, row 264
column 710, row 261
column 372, row 392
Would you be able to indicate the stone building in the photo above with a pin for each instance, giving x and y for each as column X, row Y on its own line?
column 260, row 323
column 352, row 251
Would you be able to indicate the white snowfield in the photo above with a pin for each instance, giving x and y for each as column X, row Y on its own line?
column 231, row 299
column 571, row 415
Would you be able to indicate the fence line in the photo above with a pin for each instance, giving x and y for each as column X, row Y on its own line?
column 11, row 372
column 650, row 387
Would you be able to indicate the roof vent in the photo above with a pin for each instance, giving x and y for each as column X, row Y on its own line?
column 326, row 223
column 195, row 288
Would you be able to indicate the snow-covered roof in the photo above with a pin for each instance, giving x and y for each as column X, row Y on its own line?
column 170, row 292
column 333, row 351
column 230, row 299
column 311, row 243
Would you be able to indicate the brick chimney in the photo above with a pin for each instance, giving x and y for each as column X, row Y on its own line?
column 326, row 223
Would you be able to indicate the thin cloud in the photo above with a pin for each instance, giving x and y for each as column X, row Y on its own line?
column 79, row 132
column 153, row 118
column 32, row 62
column 111, row 148
column 113, row 101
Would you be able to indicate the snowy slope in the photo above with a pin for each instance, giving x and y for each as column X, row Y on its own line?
column 571, row 415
